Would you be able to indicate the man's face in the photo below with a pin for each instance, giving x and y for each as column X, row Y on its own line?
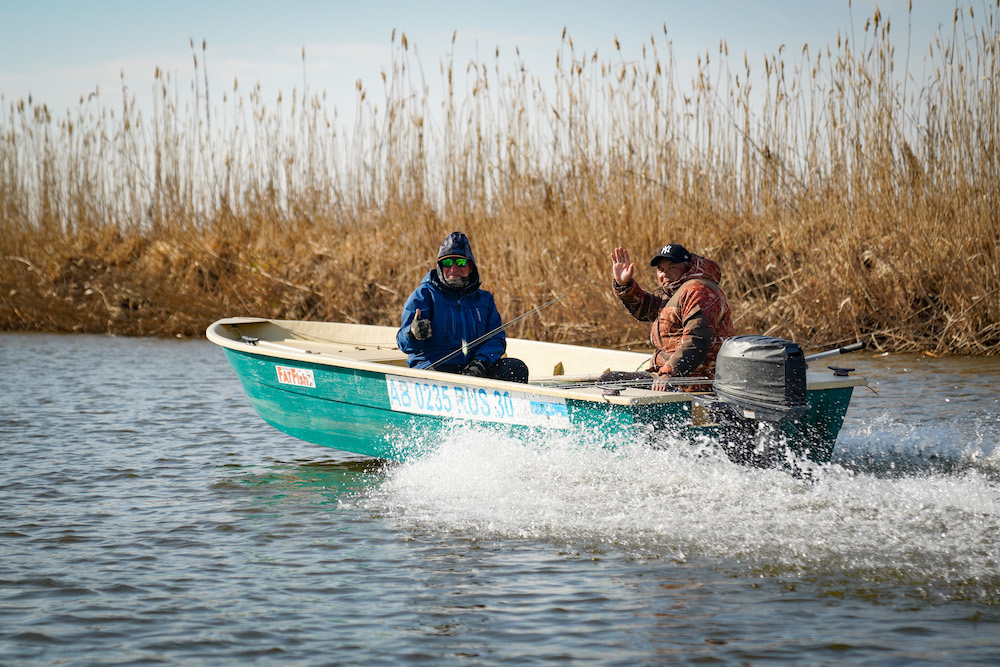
column 452, row 272
column 668, row 272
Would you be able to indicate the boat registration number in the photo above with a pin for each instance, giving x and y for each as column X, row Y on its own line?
column 476, row 403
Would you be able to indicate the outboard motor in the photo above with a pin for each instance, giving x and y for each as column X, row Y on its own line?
column 760, row 381
column 762, row 378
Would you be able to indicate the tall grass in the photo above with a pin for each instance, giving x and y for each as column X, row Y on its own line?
column 843, row 199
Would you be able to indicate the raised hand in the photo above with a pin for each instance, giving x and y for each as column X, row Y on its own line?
column 621, row 266
column 421, row 328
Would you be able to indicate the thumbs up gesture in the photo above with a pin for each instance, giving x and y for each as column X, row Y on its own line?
column 421, row 328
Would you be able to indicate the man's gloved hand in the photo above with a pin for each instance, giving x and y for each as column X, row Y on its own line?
column 421, row 328
column 476, row 368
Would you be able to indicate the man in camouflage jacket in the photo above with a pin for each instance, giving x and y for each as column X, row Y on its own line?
column 690, row 319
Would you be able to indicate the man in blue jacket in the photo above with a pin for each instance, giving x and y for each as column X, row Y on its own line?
column 447, row 311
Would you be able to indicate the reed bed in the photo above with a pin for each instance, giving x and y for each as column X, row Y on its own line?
column 844, row 200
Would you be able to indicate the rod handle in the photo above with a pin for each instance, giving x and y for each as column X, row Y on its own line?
column 853, row 347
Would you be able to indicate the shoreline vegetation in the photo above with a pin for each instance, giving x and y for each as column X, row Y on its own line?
column 843, row 200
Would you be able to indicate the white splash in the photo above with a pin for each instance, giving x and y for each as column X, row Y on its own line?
column 685, row 503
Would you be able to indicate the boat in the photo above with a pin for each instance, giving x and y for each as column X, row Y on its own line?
column 348, row 387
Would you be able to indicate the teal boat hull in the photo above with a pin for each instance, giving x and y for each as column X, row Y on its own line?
column 380, row 415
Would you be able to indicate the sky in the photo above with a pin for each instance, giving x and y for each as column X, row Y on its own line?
column 59, row 51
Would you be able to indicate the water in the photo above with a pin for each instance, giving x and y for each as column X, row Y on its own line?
column 147, row 515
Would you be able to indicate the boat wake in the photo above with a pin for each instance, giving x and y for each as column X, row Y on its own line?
column 886, row 445
column 933, row 535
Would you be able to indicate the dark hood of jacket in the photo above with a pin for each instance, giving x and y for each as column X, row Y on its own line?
column 456, row 244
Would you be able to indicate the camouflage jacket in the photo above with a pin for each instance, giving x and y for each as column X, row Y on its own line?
column 690, row 320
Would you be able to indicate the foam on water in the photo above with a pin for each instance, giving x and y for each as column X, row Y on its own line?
column 933, row 535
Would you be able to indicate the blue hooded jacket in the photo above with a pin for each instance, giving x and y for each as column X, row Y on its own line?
column 458, row 316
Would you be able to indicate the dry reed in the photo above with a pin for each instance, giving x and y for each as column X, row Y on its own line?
column 843, row 201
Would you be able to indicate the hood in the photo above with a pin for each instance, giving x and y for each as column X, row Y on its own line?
column 701, row 267
column 456, row 244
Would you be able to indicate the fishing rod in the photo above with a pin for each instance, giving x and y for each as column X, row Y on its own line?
column 626, row 384
column 464, row 349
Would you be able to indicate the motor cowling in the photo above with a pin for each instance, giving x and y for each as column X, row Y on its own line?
column 762, row 378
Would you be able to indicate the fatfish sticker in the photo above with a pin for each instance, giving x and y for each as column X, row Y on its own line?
column 300, row 377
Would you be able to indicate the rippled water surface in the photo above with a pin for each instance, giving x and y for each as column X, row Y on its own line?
column 147, row 515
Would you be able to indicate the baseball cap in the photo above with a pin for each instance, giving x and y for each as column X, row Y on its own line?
column 673, row 252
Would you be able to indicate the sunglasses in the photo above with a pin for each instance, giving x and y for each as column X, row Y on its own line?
column 459, row 262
